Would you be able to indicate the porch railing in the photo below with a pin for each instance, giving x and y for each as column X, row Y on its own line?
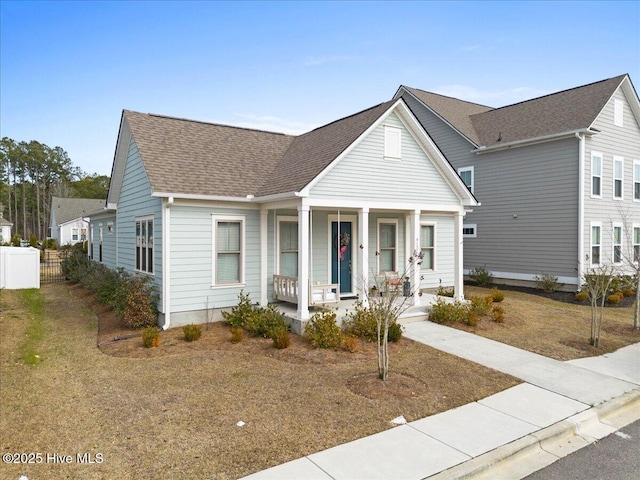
column 286, row 289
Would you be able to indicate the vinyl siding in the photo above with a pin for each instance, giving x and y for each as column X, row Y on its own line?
column 366, row 174
column 136, row 201
column 612, row 140
column 192, row 259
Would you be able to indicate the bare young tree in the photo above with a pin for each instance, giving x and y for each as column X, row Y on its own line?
column 386, row 300
column 597, row 281
column 630, row 254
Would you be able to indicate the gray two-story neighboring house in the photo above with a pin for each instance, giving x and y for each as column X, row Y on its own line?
column 558, row 178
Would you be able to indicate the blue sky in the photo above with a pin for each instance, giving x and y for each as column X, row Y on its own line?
column 67, row 69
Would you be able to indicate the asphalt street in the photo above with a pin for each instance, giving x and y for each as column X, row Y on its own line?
column 616, row 457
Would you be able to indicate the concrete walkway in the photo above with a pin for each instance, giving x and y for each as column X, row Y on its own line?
column 561, row 407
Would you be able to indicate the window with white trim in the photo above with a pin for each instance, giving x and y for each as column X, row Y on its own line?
column 428, row 246
column 467, row 174
column 388, row 246
column 469, row 230
column 144, row 244
column 596, row 243
column 74, row 234
column 636, row 180
column 228, row 254
column 596, row 174
column 392, row 142
column 636, row 243
column 618, row 177
column 288, row 246
column 618, row 113
column 617, row 244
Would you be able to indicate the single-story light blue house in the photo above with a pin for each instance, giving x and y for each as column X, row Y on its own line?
column 211, row 210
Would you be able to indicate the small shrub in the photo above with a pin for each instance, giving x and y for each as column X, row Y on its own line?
column 472, row 319
column 139, row 306
column 497, row 295
column 497, row 313
column 582, row 296
column 322, row 330
column 395, row 332
column 628, row 292
column 263, row 322
column 546, row 282
column 15, row 240
column 443, row 312
column 614, row 298
column 33, row 241
column 481, row 276
column 236, row 334
column 241, row 313
column 150, row 337
column 192, row 332
column 350, row 343
column 480, row 305
column 281, row 338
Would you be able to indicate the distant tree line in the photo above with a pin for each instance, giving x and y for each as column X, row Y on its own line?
column 30, row 174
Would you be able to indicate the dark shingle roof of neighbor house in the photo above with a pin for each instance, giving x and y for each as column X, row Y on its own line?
column 67, row 209
column 561, row 112
column 197, row 158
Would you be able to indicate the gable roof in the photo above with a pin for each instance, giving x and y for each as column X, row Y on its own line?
column 310, row 153
column 67, row 209
column 197, row 158
column 567, row 111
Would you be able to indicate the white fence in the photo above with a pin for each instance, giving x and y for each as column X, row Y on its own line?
column 19, row 268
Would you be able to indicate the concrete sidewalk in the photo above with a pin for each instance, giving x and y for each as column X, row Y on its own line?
column 563, row 406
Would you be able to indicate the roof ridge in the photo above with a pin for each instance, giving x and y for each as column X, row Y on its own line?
column 555, row 93
column 215, row 124
column 448, row 96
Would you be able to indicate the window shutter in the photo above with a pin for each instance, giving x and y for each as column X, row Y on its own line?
column 392, row 142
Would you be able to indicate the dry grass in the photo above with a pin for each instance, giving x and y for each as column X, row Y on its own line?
column 552, row 328
column 171, row 411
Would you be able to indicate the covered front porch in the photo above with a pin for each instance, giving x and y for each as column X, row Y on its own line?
column 324, row 255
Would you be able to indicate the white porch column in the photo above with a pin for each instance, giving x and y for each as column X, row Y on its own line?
column 414, row 247
column 363, row 254
column 458, row 271
column 303, row 262
column 264, row 242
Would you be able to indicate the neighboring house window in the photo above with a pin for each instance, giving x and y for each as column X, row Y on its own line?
column 387, row 246
column 74, row 234
column 618, row 113
column 595, row 244
column 466, row 174
column 618, row 177
column 596, row 174
column 469, row 230
column 427, row 246
column 636, row 244
column 228, row 256
column 617, row 244
column 288, row 241
column 392, row 142
column 636, row 180
column 144, row 244
column 110, row 228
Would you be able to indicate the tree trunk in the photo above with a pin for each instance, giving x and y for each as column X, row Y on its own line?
column 636, row 313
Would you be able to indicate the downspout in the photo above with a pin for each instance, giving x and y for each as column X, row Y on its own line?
column 166, row 262
column 581, row 257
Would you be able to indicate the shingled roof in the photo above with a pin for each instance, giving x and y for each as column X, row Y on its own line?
column 561, row 112
column 67, row 209
column 197, row 158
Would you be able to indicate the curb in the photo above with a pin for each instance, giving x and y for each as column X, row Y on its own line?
column 539, row 449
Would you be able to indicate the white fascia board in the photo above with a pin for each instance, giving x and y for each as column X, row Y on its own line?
column 306, row 190
column 355, row 204
column 532, row 141
column 210, row 198
column 446, row 170
column 119, row 161
column 444, row 120
column 208, row 203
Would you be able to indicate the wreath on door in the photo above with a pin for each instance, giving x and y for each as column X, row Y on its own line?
column 341, row 243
